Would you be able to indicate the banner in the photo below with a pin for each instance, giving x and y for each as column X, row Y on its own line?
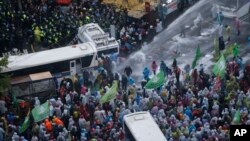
column 197, row 56
column 110, row 94
column 26, row 123
column 41, row 112
column 156, row 81
column 220, row 67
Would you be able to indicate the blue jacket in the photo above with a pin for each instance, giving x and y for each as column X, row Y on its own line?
column 191, row 127
column 113, row 57
column 146, row 73
column 131, row 81
column 189, row 113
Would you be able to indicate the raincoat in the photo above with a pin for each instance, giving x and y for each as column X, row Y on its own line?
column 154, row 67
column 220, row 18
column 37, row 33
column 146, row 73
column 48, row 125
column 57, row 121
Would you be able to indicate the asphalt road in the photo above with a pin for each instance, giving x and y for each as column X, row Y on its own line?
column 165, row 44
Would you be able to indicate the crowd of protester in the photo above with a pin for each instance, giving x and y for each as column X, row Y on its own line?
column 190, row 105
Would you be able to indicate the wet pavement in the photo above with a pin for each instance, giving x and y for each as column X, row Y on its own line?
column 165, row 44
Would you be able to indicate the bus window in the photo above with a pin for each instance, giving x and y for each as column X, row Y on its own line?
column 107, row 52
column 61, row 66
column 41, row 68
column 78, row 61
column 86, row 61
column 72, row 64
column 72, row 67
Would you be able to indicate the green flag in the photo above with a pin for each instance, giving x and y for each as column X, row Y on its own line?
column 41, row 112
column 197, row 56
column 110, row 94
column 220, row 67
column 14, row 99
column 26, row 123
column 236, row 119
column 235, row 50
column 156, row 81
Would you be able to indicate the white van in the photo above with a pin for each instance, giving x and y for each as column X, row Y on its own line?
column 140, row 126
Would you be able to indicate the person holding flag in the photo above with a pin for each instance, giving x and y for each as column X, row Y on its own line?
column 220, row 67
column 155, row 82
column 197, row 57
column 236, row 50
column 110, row 94
column 26, row 123
column 164, row 68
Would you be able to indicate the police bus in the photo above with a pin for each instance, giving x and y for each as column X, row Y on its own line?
column 140, row 126
column 60, row 62
column 105, row 44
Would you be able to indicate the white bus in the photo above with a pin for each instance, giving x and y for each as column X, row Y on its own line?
column 60, row 61
column 105, row 44
column 140, row 126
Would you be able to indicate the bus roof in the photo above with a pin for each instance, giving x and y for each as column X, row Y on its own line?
column 18, row 62
column 143, row 127
column 91, row 30
column 94, row 33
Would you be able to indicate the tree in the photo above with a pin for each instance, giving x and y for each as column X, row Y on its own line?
column 4, row 79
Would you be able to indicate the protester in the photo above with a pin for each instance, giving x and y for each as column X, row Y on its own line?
column 228, row 32
column 128, row 71
column 154, row 67
column 237, row 25
column 220, row 18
